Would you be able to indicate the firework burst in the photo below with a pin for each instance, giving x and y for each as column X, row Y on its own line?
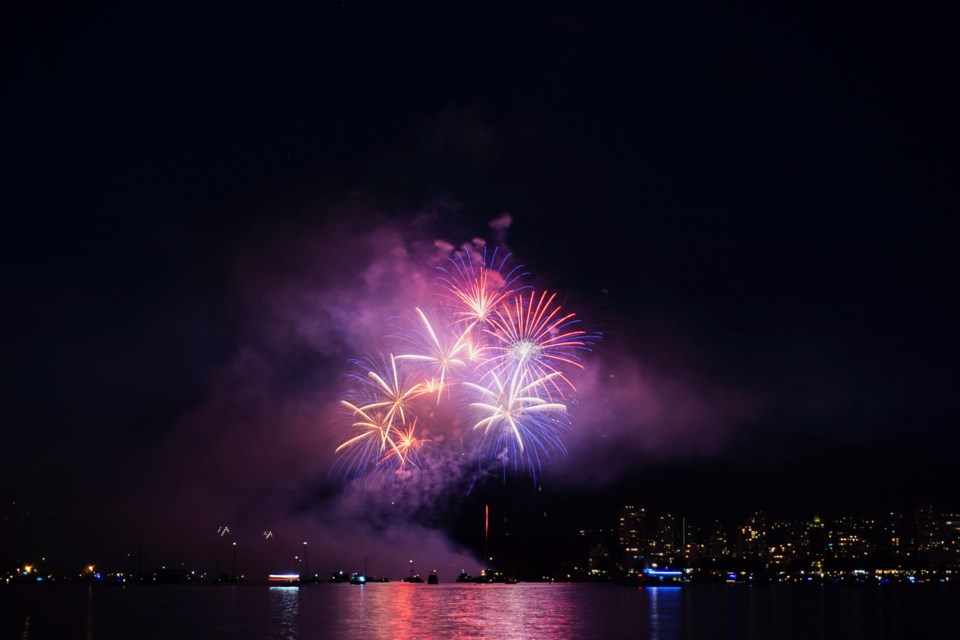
column 391, row 392
column 371, row 443
column 436, row 353
column 405, row 449
column 477, row 284
column 533, row 336
column 486, row 368
column 516, row 420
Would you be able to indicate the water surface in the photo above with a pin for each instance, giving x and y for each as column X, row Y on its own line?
column 525, row 610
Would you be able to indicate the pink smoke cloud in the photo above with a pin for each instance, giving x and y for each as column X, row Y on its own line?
column 258, row 453
column 630, row 412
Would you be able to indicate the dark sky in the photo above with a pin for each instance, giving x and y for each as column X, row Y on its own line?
column 755, row 206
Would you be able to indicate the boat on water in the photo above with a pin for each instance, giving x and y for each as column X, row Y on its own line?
column 284, row 579
column 414, row 576
column 433, row 578
column 664, row 577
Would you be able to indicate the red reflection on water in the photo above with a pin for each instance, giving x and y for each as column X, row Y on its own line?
column 476, row 610
column 401, row 613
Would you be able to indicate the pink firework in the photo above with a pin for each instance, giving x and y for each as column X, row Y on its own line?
column 508, row 351
column 435, row 352
column 478, row 285
column 533, row 336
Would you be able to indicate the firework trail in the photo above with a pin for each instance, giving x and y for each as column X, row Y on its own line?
column 485, row 367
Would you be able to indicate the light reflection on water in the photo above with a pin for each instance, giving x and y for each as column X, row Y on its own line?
column 285, row 605
column 664, row 616
column 88, row 633
column 375, row 611
column 526, row 610
column 472, row 611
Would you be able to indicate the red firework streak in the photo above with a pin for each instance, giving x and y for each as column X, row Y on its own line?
column 486, row 534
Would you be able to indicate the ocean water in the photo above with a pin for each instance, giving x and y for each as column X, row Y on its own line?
column 399, row 610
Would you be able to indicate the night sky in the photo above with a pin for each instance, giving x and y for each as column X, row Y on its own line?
column 204, row 211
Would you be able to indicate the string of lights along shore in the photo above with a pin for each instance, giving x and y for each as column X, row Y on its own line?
column 483, row 367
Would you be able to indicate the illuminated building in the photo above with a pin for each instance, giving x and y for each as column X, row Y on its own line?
column 632, row 537
column 753, row 536
column 598, row 561
column 926, row 529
